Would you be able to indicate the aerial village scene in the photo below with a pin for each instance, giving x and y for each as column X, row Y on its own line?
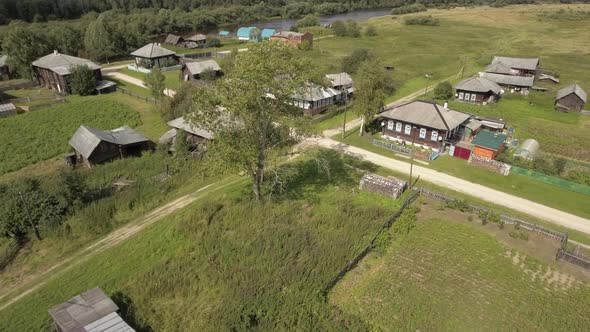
column 175, row 165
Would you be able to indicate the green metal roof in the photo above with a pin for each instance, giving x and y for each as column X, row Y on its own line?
column 489, row 140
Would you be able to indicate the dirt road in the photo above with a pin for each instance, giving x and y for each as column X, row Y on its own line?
column 136, row 81
column 13, row 293
column 466, row 187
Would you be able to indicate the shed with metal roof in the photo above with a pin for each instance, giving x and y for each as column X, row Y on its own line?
column 572, row 98
column 489, row 144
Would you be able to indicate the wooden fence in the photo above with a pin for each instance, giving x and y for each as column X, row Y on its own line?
column 358, row 257
column 9, row 254
column 135, row 95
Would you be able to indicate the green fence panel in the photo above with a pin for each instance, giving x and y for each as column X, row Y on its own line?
column 568, row 185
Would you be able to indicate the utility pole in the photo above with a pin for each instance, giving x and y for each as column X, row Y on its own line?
column 345, row 109
column 26, row 208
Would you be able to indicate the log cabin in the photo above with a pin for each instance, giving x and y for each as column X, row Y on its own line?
column 53, row 70
column 192, row 70
column 153, row 55
column 572, row 98
column 479, row 90
column 514, row 66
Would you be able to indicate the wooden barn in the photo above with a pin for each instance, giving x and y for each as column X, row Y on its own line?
column 489, row 144
column 192, row 71
column 292, row 38
column 53, row 70
column 478, row 90
column 196, row 41
column 153, row 55
column 514, row 66
column 510, row 81
column 174, row 40
column 94, row 146
column 92, row 311
column 195, row 135
column 424, row 124
column 572, row 98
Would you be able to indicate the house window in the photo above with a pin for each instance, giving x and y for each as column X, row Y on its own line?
column 398, row 127
column 467, row 96
column 473, row 95
column 460, row 95
column 389, row 125
column 434, row 136
column 408, row 129
column 422, row 133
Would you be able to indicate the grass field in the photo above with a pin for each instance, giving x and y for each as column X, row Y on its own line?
column 172, row 78
column 453, row 276
column 32, row 137
column 228, row 263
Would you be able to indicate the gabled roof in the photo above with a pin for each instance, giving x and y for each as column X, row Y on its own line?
column 63, row 64
column 489, row 140
column 547, row 77
column 520, row 81
column 197, row 37
column 573, row 88
column 340, row 79
column 92, row 310
column 498, row 68
column 287, row 34
column 518, row 63
column 479, row 84
column 173, row 39
column 244, row 32
column 314, row 93
column 86, row 139
column 266, row 33
column 198, row 67
column 152, row 51
column 3, row 59
column 427, row 114
column 184, row 125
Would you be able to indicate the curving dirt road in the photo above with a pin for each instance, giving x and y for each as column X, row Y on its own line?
column 136, row 81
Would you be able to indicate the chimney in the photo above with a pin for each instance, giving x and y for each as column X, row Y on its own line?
column 55, row 52
column 446, row 105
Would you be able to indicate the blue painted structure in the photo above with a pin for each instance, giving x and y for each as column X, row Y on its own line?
column 244, row 33
column 266, row 33
column 224, row 33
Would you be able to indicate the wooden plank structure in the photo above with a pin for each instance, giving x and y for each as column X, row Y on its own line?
column 390, row 187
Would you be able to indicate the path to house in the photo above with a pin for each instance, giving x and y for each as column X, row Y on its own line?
column 466, row 187
column 136, row 81
column 33, row 282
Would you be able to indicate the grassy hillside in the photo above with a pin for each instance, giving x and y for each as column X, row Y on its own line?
column 449, row 276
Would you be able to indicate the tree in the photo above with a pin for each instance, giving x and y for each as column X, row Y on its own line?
column 213, row 42
column 83, row 81
column 443, row 90
column 155, row 81
column 353, row 29
column 371, row 86
column 99, row 39
column 339, row 28
column 351, row 62
column 308, row 21
column 254, row 125
column 23, row 47
column 66, row 39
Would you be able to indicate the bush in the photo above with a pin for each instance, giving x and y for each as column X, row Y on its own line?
column 308, row 21
column 382, row 241
column 351, row 62
column 459, row 204
column 339, row 28
column 353, row 29
column 443, row 90
column 426, row 20
column 370, row 31
column 83, row 81
column 519, row 235
column 404, row 224
column 305, row 46
column 213, row 42
column 413, row 8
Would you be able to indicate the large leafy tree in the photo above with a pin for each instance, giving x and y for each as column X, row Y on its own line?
column 83, row 81
column 67, row 39
column 23, row 47
column 156, row 82
column 100, row 39
column 372, row 84
column 256, row 120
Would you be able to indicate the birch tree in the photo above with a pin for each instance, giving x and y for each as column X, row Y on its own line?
column 372, row 84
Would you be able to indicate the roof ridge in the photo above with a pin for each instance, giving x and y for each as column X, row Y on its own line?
column 441, row 116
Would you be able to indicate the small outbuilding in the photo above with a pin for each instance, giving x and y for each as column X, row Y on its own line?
column 294, row 39
column 197, row 41
column 194, row 134
column 488, row 144
column 244, row 33
column 53, row 70
column 386, row 186
column 174, row 40
column 341, row 82
column 192, row 71
column 7, row 110
column 572, row 98
column 528, row 149
column 266, row 33
column 94, row 146
column 315, row 99
column 478, row 90
column 91, row 311
column 153, row 55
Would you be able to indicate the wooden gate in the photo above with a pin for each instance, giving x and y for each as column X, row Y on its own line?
column 461, row 152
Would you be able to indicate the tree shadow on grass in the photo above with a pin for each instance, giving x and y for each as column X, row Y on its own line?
column 127, row 309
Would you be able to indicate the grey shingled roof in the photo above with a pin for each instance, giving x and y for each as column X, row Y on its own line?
column 172, row 39
column 427, row 114
column 63, row 64
column 340, row 79
column 198, row 67
column 520, row 81
column 184, row 125
column 573, row 88
column 518, row 63
column 479, row 84
column 3, row 59
column 86, row 139
column 197, row 37
column 91, row 311
column 314, row 93
column 499, row 68
column 152, row 51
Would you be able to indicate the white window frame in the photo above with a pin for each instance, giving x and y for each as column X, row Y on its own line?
column 467, row 97
column 473, row 96
column 461, row 94
column 434, row 136
column 390, row 125
column 398, row 127
column 422, row 133
column 408, row 130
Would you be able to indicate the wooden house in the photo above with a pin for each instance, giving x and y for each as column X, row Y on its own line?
column 572, row 98
column 477, row 90
column 192, row 70
column 153, row 55
column 514, row 66
column 294, row 39
column 174, row 40
column 195, row 135
column 196, row 41
column 94, row 146
column 488, row 144
column 92, row 311
column 424, row 124
column 53, row 70
column 343, row 83
column 510, row 81
column 315, row 99
column 7, row 110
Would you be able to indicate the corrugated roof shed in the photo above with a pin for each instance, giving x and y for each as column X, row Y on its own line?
column 86, row 139
column 340, row 79
column 198, row 67
column 63, row 64
column 479, row 84
column 173, row 39
column 573, row 88
column 517, row 63
column 266, row 33
column 520, row 81
column 489, row 140
column 91, row 311
column 152, row 51
column 427, row 114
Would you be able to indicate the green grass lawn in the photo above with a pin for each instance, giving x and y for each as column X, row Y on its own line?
column 172, row 78
column 513, row 184
column 450, row 276
column 227, row 262
column 35, row 136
